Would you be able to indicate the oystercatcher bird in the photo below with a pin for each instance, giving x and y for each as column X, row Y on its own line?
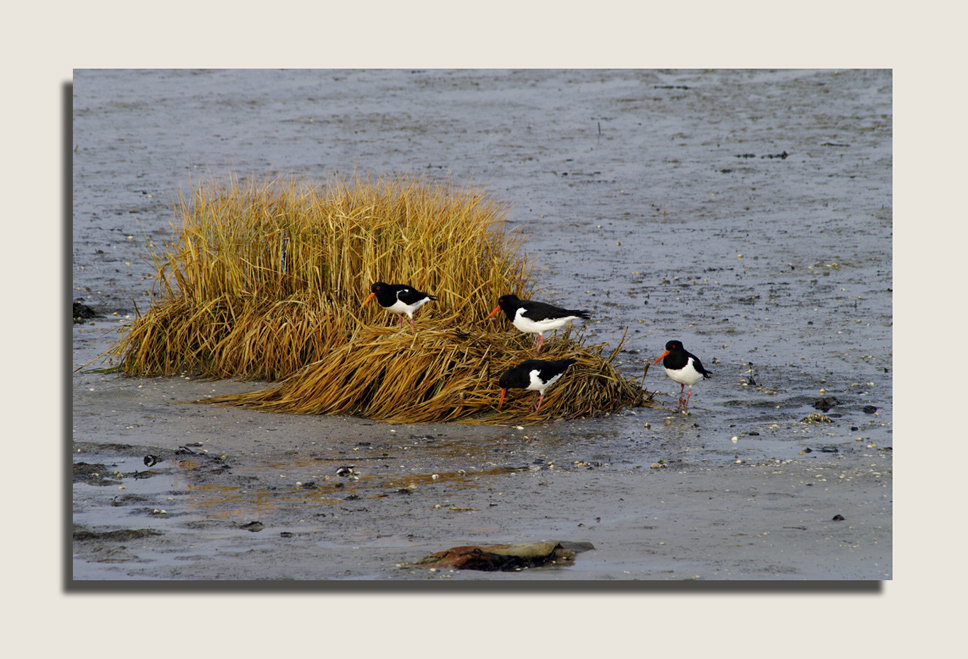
column 533, row 375
column 399, row 299
column 682, row 367
column 535, row 317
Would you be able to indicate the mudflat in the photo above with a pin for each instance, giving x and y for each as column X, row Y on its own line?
column 747, row 214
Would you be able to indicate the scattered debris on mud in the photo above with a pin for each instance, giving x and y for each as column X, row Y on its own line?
column 506, row 558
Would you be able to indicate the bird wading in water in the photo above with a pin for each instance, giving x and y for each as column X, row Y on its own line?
column 683, row 367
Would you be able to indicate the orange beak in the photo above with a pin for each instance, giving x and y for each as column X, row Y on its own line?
column 493, row 312
column 661, row 357
column 367, row 300
column 501, row 399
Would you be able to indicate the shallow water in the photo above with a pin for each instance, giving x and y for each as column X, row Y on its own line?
column 746, row 213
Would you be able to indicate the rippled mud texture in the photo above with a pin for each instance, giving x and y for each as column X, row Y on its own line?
column 747, row 214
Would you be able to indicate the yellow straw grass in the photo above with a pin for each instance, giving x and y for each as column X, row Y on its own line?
column 265, row 277
column 265, row 280
column 443, row 375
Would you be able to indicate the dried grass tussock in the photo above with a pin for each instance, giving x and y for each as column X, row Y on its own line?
column 265, row 277
column 265, row 280
column 443, row 374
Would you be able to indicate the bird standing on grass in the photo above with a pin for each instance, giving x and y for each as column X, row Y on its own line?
column 535, row 317
column 533, row 375
column 682, row 367
column 399, row 299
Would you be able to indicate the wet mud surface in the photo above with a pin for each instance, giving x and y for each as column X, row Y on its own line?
column 747, row 214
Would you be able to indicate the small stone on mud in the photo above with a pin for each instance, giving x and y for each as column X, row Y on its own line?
column 816, row 418
column 838, row 518
column 824, row 404
column 83, row 312
column 869, row 409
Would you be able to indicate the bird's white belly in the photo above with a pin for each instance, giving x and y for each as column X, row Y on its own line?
column 687, row 375
column 402, row 307
column 537, row 384
column 540, row 326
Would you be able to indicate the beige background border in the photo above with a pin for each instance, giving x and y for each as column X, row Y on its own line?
column 913, row 613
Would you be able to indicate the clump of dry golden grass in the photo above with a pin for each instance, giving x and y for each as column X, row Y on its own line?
column 444, row 374
column 265, row 280
column 265, row 277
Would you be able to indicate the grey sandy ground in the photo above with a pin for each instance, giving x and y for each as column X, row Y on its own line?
column 748, row 214
column 759, row 519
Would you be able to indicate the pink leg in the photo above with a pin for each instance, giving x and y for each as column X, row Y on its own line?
column 686, row 406
column 540, row 339
column 540, row 398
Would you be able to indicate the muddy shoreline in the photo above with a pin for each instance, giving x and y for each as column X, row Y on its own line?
column 747, row 214
column 693, row 513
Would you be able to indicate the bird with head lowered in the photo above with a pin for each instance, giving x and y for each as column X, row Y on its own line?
column 533, row 375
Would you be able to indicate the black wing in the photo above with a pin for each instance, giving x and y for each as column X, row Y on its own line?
column 548, row 369
column 409, row 295
column 696, row 364
column 541, row 311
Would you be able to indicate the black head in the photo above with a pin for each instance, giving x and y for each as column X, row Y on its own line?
column 377, row 287
column 508, row 300
column 672, row 346
column 517, row 377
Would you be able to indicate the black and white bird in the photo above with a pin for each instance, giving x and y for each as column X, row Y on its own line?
column 535, row 317
column 533, row 375
column 399, row 299
column 682, row 367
